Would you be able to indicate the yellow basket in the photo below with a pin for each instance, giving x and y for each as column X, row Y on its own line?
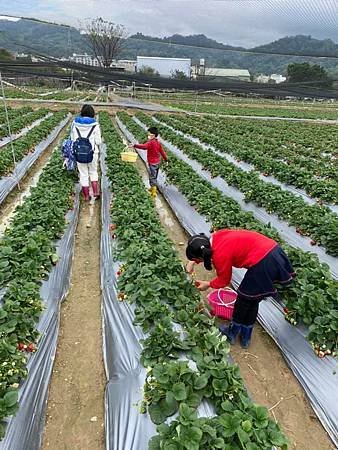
column 129, row 156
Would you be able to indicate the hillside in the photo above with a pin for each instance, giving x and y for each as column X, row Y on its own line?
column 61, row 41
column 196, row 40
column 305, row 45
column 43, row 37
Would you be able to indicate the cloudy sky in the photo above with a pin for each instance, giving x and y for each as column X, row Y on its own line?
column 237, row 22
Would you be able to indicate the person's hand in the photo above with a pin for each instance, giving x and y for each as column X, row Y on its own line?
column 202, row 285
column 64, row 164
column 189, row 268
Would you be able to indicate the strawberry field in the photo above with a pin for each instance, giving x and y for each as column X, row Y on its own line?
column 312, row 300
column 298, row 112
column 314, row 293
column 170, row 380
column 162, row 295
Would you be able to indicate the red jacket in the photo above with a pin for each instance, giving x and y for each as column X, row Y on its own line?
column 236, row 248
column 154, row 151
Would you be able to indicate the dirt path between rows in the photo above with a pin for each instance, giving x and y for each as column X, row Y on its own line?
column 266, row 374
column 75, row 413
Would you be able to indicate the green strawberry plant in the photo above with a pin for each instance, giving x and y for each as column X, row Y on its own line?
column 26, row 143
column 312, row 220
column 309, row 164
column 245, row 110
column 13, row 114
column 21, row 122
column 27, row 252
column 235, row 430
column 313, row 294
column 153, row 279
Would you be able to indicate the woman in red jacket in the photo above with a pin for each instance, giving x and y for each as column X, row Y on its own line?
column 266, row 262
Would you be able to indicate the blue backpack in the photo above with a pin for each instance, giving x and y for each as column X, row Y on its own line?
column 82, row 148
column 68, row 155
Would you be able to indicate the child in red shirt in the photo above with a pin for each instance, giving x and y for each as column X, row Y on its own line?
column 266, row 262
column 154, row 153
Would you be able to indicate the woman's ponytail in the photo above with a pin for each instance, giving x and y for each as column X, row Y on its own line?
column 207, row 255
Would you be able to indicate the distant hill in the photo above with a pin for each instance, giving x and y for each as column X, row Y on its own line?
column 301, row 45
column 25, row 35
column 43, row 37
column 197, row 40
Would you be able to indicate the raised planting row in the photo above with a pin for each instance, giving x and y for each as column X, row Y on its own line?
column 27, row 253
column 245, row 110
column 316, row 221
column 13, row 114
column 65, row 95
column 22, row 121
column 301, row 144
column 154, row 280
column 281, row 157
column 26, row 143
column 17, row 93
column 312, row 298
column 61, row 95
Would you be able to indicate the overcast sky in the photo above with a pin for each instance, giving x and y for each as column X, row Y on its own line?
column 238, row 22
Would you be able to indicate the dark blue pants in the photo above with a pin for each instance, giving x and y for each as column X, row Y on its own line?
column 259, row 282
column 153, row 174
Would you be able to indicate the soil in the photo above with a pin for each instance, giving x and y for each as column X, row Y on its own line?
column 267, row 376
column 75, row 412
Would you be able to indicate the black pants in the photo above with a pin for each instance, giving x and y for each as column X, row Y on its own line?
column 245, row 310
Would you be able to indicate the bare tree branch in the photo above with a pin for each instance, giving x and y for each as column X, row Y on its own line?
column 106, row 39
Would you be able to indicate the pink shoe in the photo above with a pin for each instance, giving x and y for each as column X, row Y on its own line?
column 85, row 191
column 96, row 190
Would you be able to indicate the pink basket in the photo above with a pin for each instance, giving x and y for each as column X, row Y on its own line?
column 222, row 302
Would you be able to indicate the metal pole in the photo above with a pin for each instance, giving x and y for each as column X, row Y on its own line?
column 8, row 124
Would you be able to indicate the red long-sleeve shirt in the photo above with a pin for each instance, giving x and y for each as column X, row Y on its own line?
column 154, row 151
column 236, row 248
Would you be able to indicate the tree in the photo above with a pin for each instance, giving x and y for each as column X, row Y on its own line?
column 149, row 71
column 5, row 55
column 105, row 39
column 305, row 72
column 179, row 75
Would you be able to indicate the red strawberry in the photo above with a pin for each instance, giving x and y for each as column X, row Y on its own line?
column 21, row 346
column 286, row 310
column 197, row 283
column 31, row 348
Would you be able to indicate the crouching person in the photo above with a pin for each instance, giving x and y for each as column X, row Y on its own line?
column 266, row 265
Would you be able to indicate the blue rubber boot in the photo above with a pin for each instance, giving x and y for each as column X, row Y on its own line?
column 246, row 332
column 231, row 331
